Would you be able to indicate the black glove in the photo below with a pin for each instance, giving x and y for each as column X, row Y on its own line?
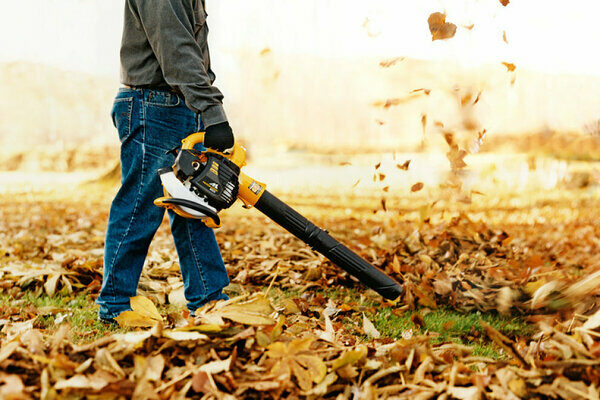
column 219, row 137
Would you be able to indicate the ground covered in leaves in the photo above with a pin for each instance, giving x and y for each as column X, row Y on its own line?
column 501, row 301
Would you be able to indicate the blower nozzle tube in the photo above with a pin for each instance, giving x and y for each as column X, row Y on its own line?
column 322, row 242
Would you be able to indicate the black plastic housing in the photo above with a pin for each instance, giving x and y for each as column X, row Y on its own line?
column 322, row 242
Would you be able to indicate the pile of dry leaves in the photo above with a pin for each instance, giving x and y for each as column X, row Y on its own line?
column 249, row 347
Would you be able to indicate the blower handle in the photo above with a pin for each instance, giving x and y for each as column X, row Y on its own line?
column 189, row 142
column 322, row 242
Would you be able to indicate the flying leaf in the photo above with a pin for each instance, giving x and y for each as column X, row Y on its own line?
column 504, row 2
column 404, row 166
column 509, row 66
column 593, row 322
column 389, row 63
column 439, row 28
column 417, row 186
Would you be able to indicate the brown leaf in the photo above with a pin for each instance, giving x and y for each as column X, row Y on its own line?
column 418, row 320
column 426, row 91
column 404, row 166
column 439, row 28
column 504, row 2
column 203, row 382
column 417, row 186
column 504, row 37
column 389, row 63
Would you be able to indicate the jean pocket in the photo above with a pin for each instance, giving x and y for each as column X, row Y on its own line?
column 157, row 98
column 121, row 116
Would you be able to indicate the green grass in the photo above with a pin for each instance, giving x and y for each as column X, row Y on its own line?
column 80, row 311
column 449, row 325
column 452, row 326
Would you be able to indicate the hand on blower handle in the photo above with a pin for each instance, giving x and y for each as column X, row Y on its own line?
column 219, row 137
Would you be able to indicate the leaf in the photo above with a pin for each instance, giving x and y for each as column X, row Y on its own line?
column 177, row 297
column 504, row 2
column 148, row 368
column 203, row 382
column 439, row 28
column 292, row 359
column 329, row 333
column 302, row 375
column 417, row 186
column 426, row 91
column 314, row 365
column 504, row 37
column 509, row 66
column 541, row 294
column 7, row 350
column 369, row 328
column 51, row 283
column 181, row 335
column 132, row 319
column 418, row 320
column 404, row 166
column 216, row 367
column 389, row 63
column 321, row 389
column 104, row 360
column 465, row 393
column 593, row 322
column 145, row 307
column 350, row 357
column 583, row 287
column 254, row 313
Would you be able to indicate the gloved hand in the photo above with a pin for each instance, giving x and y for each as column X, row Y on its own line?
column 219, row 137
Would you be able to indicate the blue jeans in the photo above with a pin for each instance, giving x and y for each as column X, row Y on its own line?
column 151, row 122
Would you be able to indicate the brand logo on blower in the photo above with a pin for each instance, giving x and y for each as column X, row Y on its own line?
column 255, row 187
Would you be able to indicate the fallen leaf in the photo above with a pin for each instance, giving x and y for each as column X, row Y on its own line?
column 369, row 328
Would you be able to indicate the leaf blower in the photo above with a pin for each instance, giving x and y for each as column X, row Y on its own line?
column 202, row 183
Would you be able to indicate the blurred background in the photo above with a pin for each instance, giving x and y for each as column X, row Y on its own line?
column 320, row 76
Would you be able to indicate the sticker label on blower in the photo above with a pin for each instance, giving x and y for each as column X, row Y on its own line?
column 255, row 187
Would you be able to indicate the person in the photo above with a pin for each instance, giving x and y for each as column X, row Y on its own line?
column 168, row 94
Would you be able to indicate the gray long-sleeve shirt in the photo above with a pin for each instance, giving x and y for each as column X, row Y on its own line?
column 165, row 46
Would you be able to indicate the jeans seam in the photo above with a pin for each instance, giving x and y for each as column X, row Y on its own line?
column 135, row 207
column 187, row 227
column 131, row 220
